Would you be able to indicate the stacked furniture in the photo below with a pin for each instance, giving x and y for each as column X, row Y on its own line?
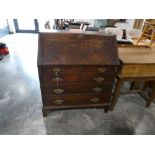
column 77, row 70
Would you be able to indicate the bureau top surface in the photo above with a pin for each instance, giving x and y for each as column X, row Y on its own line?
column 68, row 48
column 129, row 54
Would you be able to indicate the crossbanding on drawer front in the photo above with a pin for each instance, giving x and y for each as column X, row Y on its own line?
column 87, row 88
column 51, row 100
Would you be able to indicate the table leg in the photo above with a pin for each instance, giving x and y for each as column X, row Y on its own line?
column 152, row 97
column 145, row 85
column 132, row 85
column 116, row 93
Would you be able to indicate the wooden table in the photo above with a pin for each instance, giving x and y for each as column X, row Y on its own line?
column 137, row 64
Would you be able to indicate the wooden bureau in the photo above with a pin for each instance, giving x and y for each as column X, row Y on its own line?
column 76, row 70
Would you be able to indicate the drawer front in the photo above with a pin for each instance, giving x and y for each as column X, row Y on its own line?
column 76, row 89
column 99, row 78
column 75, row 100
column 73, row 70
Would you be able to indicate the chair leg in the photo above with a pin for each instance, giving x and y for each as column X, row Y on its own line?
column 116, row 94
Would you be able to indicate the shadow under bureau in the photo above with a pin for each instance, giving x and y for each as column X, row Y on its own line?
column 76, row 70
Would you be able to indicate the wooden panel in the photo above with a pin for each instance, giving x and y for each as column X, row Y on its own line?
column 61, row 100
column 89, row 48
column 138, row 70
column 77, row 89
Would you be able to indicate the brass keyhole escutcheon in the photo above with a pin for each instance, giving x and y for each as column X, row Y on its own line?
column 56, row 70
column 79, row 36
column 102, row 70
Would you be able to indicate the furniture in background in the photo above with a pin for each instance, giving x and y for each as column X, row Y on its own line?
column 101, row 24
column 112, row 22
column 123, row 36
column 147, row 33
column 92, row 24
column 62, row 24
column 137, row 65
column 77, row 70
column 138, row 23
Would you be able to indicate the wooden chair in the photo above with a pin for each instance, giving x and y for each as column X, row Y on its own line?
column 147, row 33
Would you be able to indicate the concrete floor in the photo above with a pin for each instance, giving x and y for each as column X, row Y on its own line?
column 20, row 101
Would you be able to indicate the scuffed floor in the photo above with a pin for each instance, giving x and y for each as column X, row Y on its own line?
column 20, row 101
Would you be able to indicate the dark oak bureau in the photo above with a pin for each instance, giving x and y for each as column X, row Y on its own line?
column 76, row 70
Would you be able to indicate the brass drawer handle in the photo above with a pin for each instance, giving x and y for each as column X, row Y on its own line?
column 57, row 79
column 95, row 100
column 58, row 91
column 58, row 101
column 97, row 89
column 99, row 79
column 56, row 70
column 102, row 70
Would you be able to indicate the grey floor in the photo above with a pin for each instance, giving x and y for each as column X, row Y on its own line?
column 20, row 101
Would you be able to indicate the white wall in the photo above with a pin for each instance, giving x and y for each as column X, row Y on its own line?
column 3, row 28
column 3, row 24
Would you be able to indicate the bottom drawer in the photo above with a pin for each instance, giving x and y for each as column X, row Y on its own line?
column 75, row 100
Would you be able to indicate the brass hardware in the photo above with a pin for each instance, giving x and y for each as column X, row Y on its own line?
column 57, row 79
column 97, row 89
column 58, row 91
column 56, row 70
column 95, row 100
column 102, row 70
column 99, row 79
column 58, row 101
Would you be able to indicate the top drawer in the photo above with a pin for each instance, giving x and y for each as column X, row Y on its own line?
column 74, row 69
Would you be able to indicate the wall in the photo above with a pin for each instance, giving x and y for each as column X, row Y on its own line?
column 3, row 27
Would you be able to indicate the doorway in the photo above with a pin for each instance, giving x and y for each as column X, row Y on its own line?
column 26, row 25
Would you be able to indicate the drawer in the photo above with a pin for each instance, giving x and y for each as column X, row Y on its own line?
column 77, row 89
column 48, row 79
column 77, row 100
column 74, row 69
